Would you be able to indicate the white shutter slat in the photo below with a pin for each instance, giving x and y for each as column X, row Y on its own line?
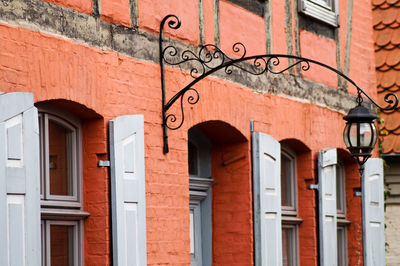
column 128, row 190
column 267, row 200
column 327, row 160
column 373, row 213
column 19, row 180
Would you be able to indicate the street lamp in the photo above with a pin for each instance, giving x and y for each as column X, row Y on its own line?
column 360, row 133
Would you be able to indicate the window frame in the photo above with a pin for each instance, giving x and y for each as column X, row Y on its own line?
column 45, row 164
column 341, row 184
column 56, row 209
column 291, row 155
column 294, row 242
column 342, row 256
column 321, row 10
column 46, row 242
column 289, row 215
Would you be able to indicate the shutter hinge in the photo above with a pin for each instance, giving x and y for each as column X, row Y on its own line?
column 103, row 163
column 358, row 194
column 313, row 186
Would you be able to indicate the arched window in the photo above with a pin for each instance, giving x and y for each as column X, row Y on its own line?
column 61, row 187
column 199, row 163
column 290, row 220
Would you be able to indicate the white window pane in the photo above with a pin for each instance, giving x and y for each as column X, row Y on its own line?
column 191, row 231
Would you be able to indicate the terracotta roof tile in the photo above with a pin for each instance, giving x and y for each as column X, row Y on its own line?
column 388, row 79
column 396, row 37
column 384, row 37
column 394, row 88
column 377, row 2
column 382, row 4
column 384, row 68
column 393, row 57
column 380, row 58
column 388, row 143
column 392, row 122
column 386, row 24
column 389, row 16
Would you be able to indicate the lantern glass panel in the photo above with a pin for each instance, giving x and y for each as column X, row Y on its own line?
column 375, row 136
column 365, row 134
column 345, row 136
column 353, row 135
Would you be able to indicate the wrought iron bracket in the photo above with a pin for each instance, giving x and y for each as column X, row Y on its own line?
column 211, row 58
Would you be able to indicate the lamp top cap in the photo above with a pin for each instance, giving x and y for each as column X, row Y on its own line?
column 360, row 114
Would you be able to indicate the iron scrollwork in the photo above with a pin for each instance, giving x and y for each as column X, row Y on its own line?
column 211, row 58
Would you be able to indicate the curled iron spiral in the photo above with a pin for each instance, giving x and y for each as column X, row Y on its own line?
column 191, row 99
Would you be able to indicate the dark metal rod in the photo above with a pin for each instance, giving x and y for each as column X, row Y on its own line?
column 160, row 41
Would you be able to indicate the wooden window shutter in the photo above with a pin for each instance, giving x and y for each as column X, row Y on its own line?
column 267, row 200
column 373, row 216
column 19, row 180
column 128, row 190
column 327, row 161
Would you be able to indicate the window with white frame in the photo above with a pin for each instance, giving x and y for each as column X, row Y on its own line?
column 341, row 215
column 199, row 162
column 60, row 188
column 290, row 221
column 323, row 10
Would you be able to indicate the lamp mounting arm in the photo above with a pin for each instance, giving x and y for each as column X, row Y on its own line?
column 211, row 58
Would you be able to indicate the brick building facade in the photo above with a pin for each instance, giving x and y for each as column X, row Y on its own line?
column 89, row 63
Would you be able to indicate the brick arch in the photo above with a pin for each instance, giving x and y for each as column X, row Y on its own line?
column 232, row 217
column 220, row 132
column 95, row 182
column 75, row 108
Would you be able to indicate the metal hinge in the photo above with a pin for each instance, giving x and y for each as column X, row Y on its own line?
column 103, row 163
column 358, row 194
column 313, row 186
column 251, row 126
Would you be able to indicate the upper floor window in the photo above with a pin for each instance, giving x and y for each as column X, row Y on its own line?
column 60, row 188
column 323, row 10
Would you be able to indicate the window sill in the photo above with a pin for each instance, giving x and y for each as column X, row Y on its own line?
column 63, row 214
column 291, row 220
column 341, row 221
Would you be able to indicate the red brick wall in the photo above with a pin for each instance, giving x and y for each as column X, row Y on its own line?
column 113, row 84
